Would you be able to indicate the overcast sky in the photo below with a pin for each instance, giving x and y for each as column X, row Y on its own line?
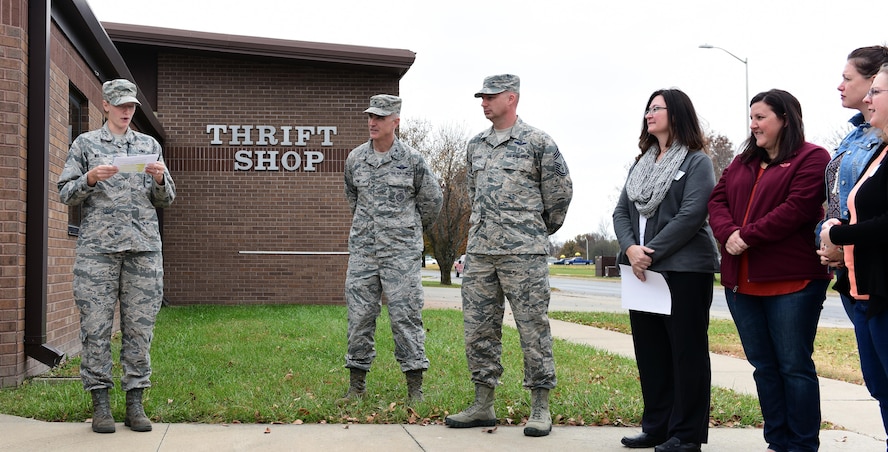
column 586, row 68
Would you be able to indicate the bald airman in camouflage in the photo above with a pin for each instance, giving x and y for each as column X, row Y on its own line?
column 520, row 191
column 118, row 253
column 393, row 195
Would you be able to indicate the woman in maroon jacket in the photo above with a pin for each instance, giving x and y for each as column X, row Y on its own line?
column 762, row 212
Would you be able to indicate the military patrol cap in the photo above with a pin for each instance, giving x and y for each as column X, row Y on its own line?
column 384, row 105
column 119, row 91
column 496, row 84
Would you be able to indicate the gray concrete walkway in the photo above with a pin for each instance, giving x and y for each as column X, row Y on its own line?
column 843, row 404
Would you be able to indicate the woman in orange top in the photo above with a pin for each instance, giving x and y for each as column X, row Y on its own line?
column 866, row 254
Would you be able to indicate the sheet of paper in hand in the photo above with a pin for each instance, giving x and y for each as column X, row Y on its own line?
column 133, row 163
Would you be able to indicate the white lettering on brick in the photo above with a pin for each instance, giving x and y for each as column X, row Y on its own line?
column 236, row 133
column 267, row 135
column 326, row 130
column 291, row 155
column 215, row 129
column 311, row 158
column 245, row 160
column 270, row 160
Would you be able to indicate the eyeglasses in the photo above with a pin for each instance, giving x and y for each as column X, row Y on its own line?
column 653, row 110
column 873, row 92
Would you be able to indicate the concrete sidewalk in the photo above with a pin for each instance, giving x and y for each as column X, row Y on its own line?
column 28, row 435
column 843, row 404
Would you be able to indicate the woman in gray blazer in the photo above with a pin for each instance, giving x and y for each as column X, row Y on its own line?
column 660, row 223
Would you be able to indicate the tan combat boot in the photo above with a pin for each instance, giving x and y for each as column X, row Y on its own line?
column 357, row 386
column 414, row 385
column 540, row 421
column 102, row 421
column 136, row 419
column 479, row 414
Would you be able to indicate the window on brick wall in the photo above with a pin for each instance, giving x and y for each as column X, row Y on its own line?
column 78, row 122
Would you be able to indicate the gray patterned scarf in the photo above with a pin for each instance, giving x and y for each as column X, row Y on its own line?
column 650, row 180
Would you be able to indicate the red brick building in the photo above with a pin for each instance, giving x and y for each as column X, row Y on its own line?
column 255, row 133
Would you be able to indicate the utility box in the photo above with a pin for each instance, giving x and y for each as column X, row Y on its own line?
column 606, row 266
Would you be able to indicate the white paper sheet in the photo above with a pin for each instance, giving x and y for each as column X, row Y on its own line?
column 133, row 163
column 652, row 295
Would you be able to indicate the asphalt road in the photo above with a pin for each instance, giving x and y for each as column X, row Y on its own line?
column 833, row 314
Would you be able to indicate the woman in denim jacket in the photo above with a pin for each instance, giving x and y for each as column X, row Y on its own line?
column 857, row 147
column 867, row 305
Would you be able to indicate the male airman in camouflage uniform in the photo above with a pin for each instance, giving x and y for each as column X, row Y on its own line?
column 118, row 255
column 393, row 195
column 520, row 191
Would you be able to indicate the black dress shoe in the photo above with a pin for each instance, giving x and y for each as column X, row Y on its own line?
column 675, row 445
column 641, row 441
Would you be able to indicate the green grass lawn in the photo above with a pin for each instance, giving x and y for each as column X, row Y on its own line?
column 578, row 271
column 835, row 349
column 284, row 364
column 582, row 271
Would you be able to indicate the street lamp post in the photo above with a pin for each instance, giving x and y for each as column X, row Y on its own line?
column 745, row 62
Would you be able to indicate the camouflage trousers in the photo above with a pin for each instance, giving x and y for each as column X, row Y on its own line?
column 399, row 278
column 100, row 280
column 524, row 280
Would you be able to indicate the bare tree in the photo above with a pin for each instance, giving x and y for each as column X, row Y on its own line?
column 417, row 133
column 554, row 247
column 605, row 228
column 445, row 151
column 832, row 140
column 721, row 150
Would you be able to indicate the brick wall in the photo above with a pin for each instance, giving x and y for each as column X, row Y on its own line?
column 13, row 162
column 221, row 214
column 62, row 316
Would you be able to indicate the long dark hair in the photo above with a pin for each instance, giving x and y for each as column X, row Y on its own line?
column 791, row 136
column 684, row 127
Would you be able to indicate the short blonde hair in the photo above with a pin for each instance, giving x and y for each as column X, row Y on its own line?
column 883, row 134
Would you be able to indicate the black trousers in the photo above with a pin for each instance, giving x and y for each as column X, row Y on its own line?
column 672, row 353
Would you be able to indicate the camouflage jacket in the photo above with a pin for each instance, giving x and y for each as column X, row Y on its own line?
column 117, row 214
column 392, row 198
column 520, row 190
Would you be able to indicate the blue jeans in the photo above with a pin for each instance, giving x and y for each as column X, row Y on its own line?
column 847, row 302
column 872, row 343
column 777, row 333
